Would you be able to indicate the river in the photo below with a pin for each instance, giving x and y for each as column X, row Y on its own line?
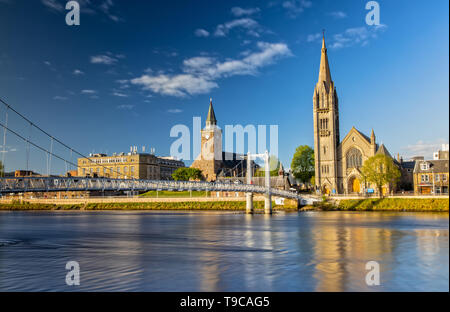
column 223, row 251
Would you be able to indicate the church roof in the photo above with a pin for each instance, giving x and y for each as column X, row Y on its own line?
column 324, row 71
column 211, row 118
column 383, row 151
column 359, row 132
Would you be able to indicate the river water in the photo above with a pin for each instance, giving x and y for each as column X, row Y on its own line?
column 223, row 251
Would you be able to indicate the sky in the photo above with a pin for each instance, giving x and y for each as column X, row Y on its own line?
column 133, row 69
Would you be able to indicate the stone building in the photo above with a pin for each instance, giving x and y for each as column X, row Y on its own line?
column 212, row 160
column 431, row 176
column 128, row 166
column 338, row 163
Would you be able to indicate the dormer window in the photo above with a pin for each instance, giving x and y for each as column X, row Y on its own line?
column 424, row 166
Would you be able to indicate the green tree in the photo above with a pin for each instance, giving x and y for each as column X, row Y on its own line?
column 302, row 164
column 186, row 174
column 2, row 169
column 274, row 167
column 380, row 170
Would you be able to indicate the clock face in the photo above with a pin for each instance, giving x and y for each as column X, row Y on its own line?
column 207, row 136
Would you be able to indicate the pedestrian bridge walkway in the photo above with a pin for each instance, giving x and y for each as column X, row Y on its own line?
column 61, row 184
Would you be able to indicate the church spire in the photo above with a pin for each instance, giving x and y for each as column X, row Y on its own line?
column 324, row 72
column 211, row 118
column 372, row 137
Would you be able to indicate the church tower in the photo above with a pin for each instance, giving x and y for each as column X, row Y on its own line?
column 210, row 158
column 326, row 127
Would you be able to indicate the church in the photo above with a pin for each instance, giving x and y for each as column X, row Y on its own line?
column 338, row 163
column 212, row 161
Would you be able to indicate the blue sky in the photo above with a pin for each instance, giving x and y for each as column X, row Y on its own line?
column 134, row 69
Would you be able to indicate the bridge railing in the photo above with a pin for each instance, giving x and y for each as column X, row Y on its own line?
column 47, row 184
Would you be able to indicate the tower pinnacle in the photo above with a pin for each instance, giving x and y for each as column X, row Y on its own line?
column 211, row 118
column 324, row 71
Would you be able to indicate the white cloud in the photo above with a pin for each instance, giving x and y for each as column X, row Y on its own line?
column 78, row 72
column 125, row 106
column 87, row 91
column 422, row 148
column 199, row 74
column 175, row 111
column 295, row 7
column 350, row 37
column 86, row 6
column 103, row 59
column 60, row 98
column 201, row 33
column 314, row 37
column 119, row 94
column 48, row 63
column 53, row 5
column 247, row 23
column 176, row 85
column 338, row 14
column 237, row 11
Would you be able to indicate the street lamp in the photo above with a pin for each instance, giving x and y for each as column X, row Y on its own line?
column 432, row 176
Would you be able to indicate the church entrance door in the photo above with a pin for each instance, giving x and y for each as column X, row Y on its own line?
column 354, row 185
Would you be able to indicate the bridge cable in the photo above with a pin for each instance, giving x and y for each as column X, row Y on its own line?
column 9, row 107
column 4, row 142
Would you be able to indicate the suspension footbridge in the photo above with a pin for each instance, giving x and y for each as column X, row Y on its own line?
column 49, row 183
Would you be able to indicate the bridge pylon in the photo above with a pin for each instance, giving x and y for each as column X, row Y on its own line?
column 267, row 195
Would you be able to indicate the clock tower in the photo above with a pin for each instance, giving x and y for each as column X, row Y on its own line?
column 210, row 159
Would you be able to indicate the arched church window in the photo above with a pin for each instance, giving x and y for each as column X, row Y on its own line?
column 354, row 158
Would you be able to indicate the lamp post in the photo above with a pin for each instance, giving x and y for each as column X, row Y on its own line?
column 432, row 177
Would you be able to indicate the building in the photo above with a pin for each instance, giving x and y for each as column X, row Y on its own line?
column 128, row 166
column 212, row 160
column 338, row 163
column 431, row 176
column 441, row 154
column 407, row 173
column 25, row 173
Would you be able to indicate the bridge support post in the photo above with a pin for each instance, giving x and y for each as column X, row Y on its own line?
column 267, row 204
column 249, row 196
column 267, row 196
column 249, row 207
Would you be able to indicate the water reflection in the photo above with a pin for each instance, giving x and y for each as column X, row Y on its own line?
column 167, row 251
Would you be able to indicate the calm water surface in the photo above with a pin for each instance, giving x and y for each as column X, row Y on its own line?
column 209, row 251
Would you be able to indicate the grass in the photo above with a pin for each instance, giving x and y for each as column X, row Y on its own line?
column 387, row 204
column 213, row 205
column 174, row 194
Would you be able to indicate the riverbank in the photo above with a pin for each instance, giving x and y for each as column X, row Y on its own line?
column 383, row 204
column 149, row 205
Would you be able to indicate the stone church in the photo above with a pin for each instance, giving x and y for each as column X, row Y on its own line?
column 212, row 160
column 337, row 163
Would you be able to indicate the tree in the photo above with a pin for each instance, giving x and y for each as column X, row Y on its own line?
column 186, row 174
column 380, row 170
column 274, row 167
column 2, row 169
column 302, row 164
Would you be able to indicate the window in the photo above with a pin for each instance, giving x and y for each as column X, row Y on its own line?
column 354, row 158
column 444, row 177
column 425, row 178
column 436, row 177
column 424, row 166
column 132, row 169
column 323, row 123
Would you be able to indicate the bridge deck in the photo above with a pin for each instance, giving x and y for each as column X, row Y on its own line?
column 59, row 184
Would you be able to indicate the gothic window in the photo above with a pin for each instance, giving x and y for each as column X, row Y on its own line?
column 323, row 123
column 354, row 158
